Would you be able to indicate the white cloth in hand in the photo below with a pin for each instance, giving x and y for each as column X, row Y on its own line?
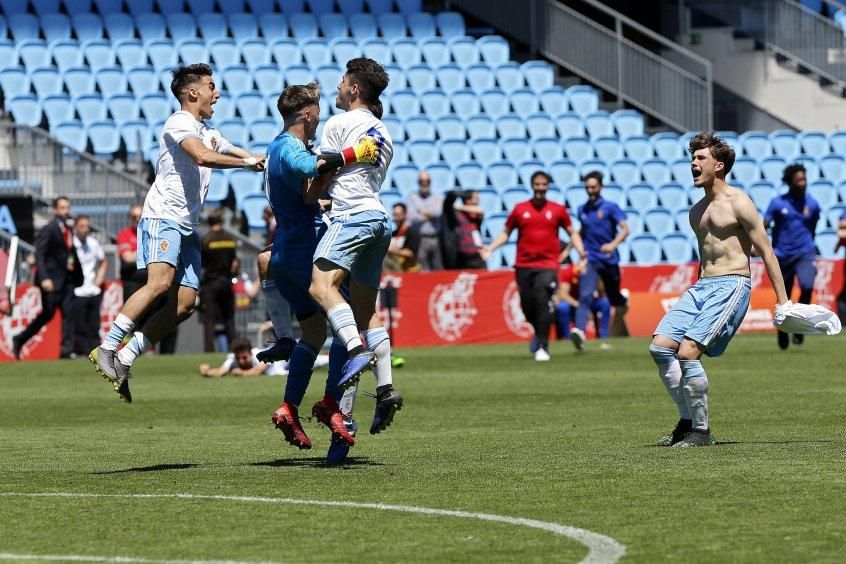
column 807, row 319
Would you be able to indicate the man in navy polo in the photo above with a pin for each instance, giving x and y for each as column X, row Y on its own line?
column 604, row 227
column 793, row 217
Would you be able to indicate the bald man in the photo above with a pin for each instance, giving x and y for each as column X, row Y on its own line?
column 424, row 213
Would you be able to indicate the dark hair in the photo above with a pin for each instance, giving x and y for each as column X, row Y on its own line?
column 370, row 77
column 720, row 150
column 296, row 97
column 376, row 109
column 82, row 216
column 58, row 199
column 595, row 174
column 790, row 171
column 540, row 173
column 241, row 344
column 467, row 194
column 186, row 75
column 401, row 205
column 215, row 217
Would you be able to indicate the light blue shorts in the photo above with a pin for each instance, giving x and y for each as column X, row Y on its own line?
column 710, row 313
column 357, row 243
column 164, row 240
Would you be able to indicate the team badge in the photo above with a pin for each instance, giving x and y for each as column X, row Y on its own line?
column 549, row 215
column 806, row 211
column 164, row 245
column 599, row 214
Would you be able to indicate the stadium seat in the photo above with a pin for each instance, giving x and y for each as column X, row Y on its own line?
column 380, row 6
column 834, row 214
column 494, row 102
column 218, row 189
column 237, row 79
column 682, row 216
column 824, row 193
column 553, row 101
column 46, row 81
column 273, row 26
column 193, row 51
column 344, row 49
column 77, row 80
column 833, row 168
column 493, row 224
column 435, row 103
column 139, row 6
column 673, row 196
column 104, row 137
column 421, row 25
column 582, row 99
column 841, row 191
column 391, row 26
column 525, row 102
column 667, row 146
column 812, row 169
column 156, row 107
column 593, row 165
column 509, row 77
column 527, row 168
column 826, row 240
column 628, row 123
column 494, row 50
column 510, row 198
column 25, row 109
column 435, row 51
column 123, row 108
column 362, row 26
column 450, row 128
column 509, row 253
column 405, row 104
column 23, row 27
column 450, row 24
column 135, row 136
column 303, row 26
column 762, row 193
column 470, row 175
column 389, row 198
column 150, row 26
column 570, row 125
column 772, row 168
column 681, row 171
column 635, row 221
column 465, row 103
column 420, row 78
column 72, row 134
column 111, row 80
column 677, row 248
column 396, row 129
column 376, row 49
column 244, row 183
column 501, row 175
column 486, row 150
column 128, row 53
column 756, row 144
column 625, row 172
column 423, row 153
column 745, row 170
column 420, row 128
column 55, row 27
column 455, row 151
column 166, row 79
column 837, row 139
column 181, row 25
column 11, row 7
column 599, row 124
column 608, row 148
column 785, row 144
column 575, row 197
column 479, row 127
column 638, row 149
column 298, row 74
column 540, row 125
column 642, row 197
column 225, row 53
column 624, row 253
column 564, row 172
column 489, row 200
column 333, row 25
column 198, row 7
column 143, row 80
column 645, row 248
column 315, row 52
column 614, row 193
column 286, row 52
column 328, row 77
column 814, row 143
column 578, row 149
column 404, row 177
column 232, row 7
column 480, row 77
column 397, row 81
column 250, row 106
column 33, row 53
column 118, row 26
column 515, row 149
column 234, row 131
column 91, row 108
column 162, row 53
column 245, row 26
column 464, row 51
column 57, row 108
column 350, row 7
column 400, row 155
column 539, row 75
column 655, row 172
column 441, row 175
column 511, row 125
column 547, row 149
column 406, row 52
column 406, row 7
column 263, row 130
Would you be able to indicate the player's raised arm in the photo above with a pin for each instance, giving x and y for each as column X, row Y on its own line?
column 203, row 156
column 747, row 215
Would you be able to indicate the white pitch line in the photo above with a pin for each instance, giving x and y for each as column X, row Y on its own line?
column 601, row 549
column 86, row 558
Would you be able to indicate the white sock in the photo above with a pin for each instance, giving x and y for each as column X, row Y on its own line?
column 379, row 343
column 343, row 325
column 278, row 310
column 696, row 392
column 670, row 372
column 121, row 326
column 136, row 346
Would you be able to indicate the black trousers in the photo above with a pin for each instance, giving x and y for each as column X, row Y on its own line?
column 218, row 303
column 537, row 286
column 51, row 301
column 86, row 315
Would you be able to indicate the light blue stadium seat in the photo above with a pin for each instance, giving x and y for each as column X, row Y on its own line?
column 400, row 154
column 104, row 137
column 673, row 196
column 391, row 26
column 57, row 108
column 42, row 7
column 395, row 128
column 55, row 27
column 511, row 125
column 328, row 77
column 421, row 25
column 494, row 50
column 166, row 79
column 80, row 7
column 151, row 153
column 814, row 143
column 642, row 197
column 466, row 104
column 253, row 208
column 181, row 25
column 509, row 254
column 423, row 153
column 681, row 171
column 350, row 7
column 489, row 200
column 198, row 7
column 450, row 128
column 380, row 6
column 435, row 103
column 363, row 26
column 575, row 197
column 598, row 124
column 111, row 80
column 826, row 240
column 539, row 75
column 123, row 108
column 823, row 192
column 142, row 80
column 547, row 149
column 244, row 183
column 397, row 82
column 303, row 26
column 232, row 7
column 405, row 104
column 315, row 52
column 464, row 51
column 11, row 7
column 515, row 149
column 655, row 172
column 480, row 77
column 495, row 102
column 450, row 24
column 837, row 140
column 376, row 49
column 486, row 150
column 389, row 198
column 135, row 136
column 812, row 169
column 250, row 106
column 570, row 125
column 682, row 216
column 128, row 53
column 33, row 53
column 244, row 26
column 420, row 78
column 78, row 81
column 628, row 123
column 435, row 51
column 150, row 26
column 594, row 165
column 406, row 7
column 298, row 74
column 785, row 144
column 455, row 151
column 582, row 99
column 540, row 125
column 608, row 148
column 71, row 133
column 625, row 172
column 23, row 26
column 404, row 177
column 638, row 148
column 333, row 25
column 510, row 198
column 677, row 248
column 237, row 79
column 578, row 149
column 91, row 108
column 756, row 144
column 162, row 53
column 525, row 102
column 442, row 176
column 118, row 26
column 225, row 53
column 25, row 109
column 553, row 101
column 761, row 192
column 420, row 128
column 273, row 26
column 156, row 107
column 564, row 172
column 501, row 175
column 614, row 193
column 344, row 49
column 834, row 214
column 645, row 248
column 635, row 221
column 287, row 51
column 193, row 51
column 8, row 52
column 470, row 175
column 46, row 81
column 139, row 6
column 510, row 78
column 625, row 255
column 263, row 130
column 668, row 146
column 494, row 224
column 526, row 168
column 772, row 168
column 479, row 127
column 833, row 168
column 841, row 191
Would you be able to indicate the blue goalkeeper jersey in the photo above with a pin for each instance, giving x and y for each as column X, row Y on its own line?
column 289, row 163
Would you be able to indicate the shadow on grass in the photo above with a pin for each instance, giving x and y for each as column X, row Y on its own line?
column 351, row 461
column 785, row 442
column 153, row 468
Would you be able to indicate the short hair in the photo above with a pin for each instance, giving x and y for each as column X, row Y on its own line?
column 467, row 195
column 215, row 217
column 186, row 75
column 83, row 216
column 540, row 173
column 296, row 97
column 58, row 199
column 370, row 77
column 595, row 174
column 720, row 150
column 377, row 109
column 241, row 344
column 401, row 205
column 790, row 171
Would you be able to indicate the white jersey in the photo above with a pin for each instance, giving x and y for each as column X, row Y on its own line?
column 355, row 188
column 90, row 254
column 273, row 369
column 181, row 184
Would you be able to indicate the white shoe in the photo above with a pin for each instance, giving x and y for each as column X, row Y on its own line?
column 578, row 338
column 541, row 355
column 605, row 346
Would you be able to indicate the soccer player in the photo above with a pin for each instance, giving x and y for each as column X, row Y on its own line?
column 242, row 363
column 538, row 253
column 793, row 217
column 358, row 237
column 299, row 227
column 708, row 314
column 169, row 244
column 604, row 227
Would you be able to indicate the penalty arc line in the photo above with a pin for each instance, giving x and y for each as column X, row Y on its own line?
column 601, row 549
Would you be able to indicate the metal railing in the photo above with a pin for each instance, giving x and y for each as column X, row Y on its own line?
column 606, row 56
column 789, row 29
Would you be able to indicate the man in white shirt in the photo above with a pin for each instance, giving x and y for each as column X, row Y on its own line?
column 242, row 363
column 358, row 237
column 87, row 298
column 169, row 246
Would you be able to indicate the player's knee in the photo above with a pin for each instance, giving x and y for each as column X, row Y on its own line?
column 159, row 286
column 688, row 352
column 263, row 262
column 661, row 355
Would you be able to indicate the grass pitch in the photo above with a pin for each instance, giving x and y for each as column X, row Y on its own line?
column 483, row 429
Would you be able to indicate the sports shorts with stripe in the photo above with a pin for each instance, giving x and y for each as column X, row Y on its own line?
column 357, row 243
column 709, row 312
column 164, row 240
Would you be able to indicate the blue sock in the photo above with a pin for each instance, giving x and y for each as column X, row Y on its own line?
column 337, row 357
column 121, row 326
column 299, row 372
